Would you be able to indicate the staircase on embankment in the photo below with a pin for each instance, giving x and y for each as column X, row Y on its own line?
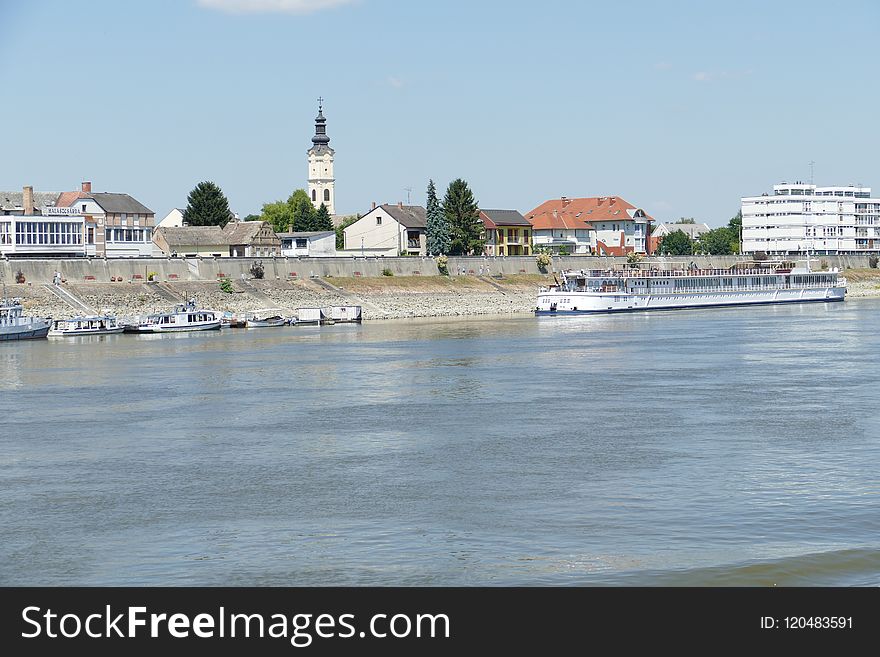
column 70, row 299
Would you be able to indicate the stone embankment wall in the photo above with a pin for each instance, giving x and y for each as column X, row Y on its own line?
column 137, row 270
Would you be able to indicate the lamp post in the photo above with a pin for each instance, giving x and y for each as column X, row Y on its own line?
column 362, row 246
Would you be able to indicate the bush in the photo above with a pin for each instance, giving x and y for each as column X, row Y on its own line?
column 760, row 255
column 387, row 272
column 226, row 286
column 633, row 259
column 543, row 259
column 443, row 265
column 19, row 277
column 823, row 265
column 257, row 270
column 872, row 262
column 151, row 275
column 563, row 251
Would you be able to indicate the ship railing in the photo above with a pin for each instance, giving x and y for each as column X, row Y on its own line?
column 672, row 273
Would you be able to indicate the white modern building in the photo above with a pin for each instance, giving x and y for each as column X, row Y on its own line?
column 309, row 244
column 803, row 218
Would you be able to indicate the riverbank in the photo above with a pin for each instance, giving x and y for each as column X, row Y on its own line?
column 383, row 297
column 380, row 297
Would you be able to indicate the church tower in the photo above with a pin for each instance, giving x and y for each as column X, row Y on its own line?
column 321, row 180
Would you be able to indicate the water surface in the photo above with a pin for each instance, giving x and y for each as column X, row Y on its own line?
column 707, row 447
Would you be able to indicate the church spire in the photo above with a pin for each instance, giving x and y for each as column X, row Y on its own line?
column 320, row 138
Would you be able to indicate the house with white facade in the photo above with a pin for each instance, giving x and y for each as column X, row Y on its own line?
column 389, row 230
column 803, row 218
column 600, row 225
column 173, row 219
column 116, row 225
column 313, row 244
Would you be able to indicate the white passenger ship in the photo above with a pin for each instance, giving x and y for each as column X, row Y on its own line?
column 620, row 290
column 185, row 317
column 95, row 325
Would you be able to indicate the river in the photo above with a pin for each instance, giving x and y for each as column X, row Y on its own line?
column 708, row 447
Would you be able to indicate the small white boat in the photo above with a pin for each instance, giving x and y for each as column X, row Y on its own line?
column 14, row 325
column 266, row 318
column 184, row 318
column 94, row 325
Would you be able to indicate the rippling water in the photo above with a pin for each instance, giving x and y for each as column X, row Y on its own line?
column 713, row 447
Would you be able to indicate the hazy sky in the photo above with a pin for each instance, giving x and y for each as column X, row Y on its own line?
column 678, row 107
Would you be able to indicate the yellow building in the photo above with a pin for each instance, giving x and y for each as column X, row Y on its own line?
column 507, row 232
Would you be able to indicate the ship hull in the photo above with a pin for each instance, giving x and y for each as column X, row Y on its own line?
column 580, row 303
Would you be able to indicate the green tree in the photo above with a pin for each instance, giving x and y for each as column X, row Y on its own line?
column 677, row 243
column 279, row 214
column 438, row 241
column 735, row 225
column 340, row 230
column 686, row 220
column 719, row 241
column 463, row 216
column 207, row 206
column 253, row 217
column 322, row 220
column 303, row 211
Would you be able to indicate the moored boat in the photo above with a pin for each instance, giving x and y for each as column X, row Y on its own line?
column 93, row 325
column 634, row 289
column 185, row 317
column 266, row 318
column 15, row 325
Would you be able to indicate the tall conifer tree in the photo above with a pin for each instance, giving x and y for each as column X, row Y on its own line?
column 438, row 229
column 207, row 206
column 463, row 217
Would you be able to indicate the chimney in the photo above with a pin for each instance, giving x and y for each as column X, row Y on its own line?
column 374, row 205
column 400, row 204
column 87, row 186
column 555, row 214
column 27, row 200
column 565, row 201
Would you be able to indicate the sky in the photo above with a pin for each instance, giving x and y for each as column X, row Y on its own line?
column 680, row 108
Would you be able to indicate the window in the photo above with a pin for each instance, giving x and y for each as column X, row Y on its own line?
column 314, row 196
column 83, row 207
column 379, row 221
column 327, row 195
column 302, row 243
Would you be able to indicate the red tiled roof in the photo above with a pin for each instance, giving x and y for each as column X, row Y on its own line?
column 574, row 212
column 69, row 198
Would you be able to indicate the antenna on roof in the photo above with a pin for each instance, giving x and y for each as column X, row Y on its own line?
column 408, row 190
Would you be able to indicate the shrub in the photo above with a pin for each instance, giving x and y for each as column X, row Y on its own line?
column 257, row 270
column 823, row 265
column 563, row 251
column 387, row 272
column 151, row 275
column 633, row 259
column 872, row 261
column 443, row 265
column 543, row 259
column 19, row 277
column 226, row 286
column 760, row 255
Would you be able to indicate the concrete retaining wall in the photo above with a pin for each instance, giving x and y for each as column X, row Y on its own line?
column 137, row 270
